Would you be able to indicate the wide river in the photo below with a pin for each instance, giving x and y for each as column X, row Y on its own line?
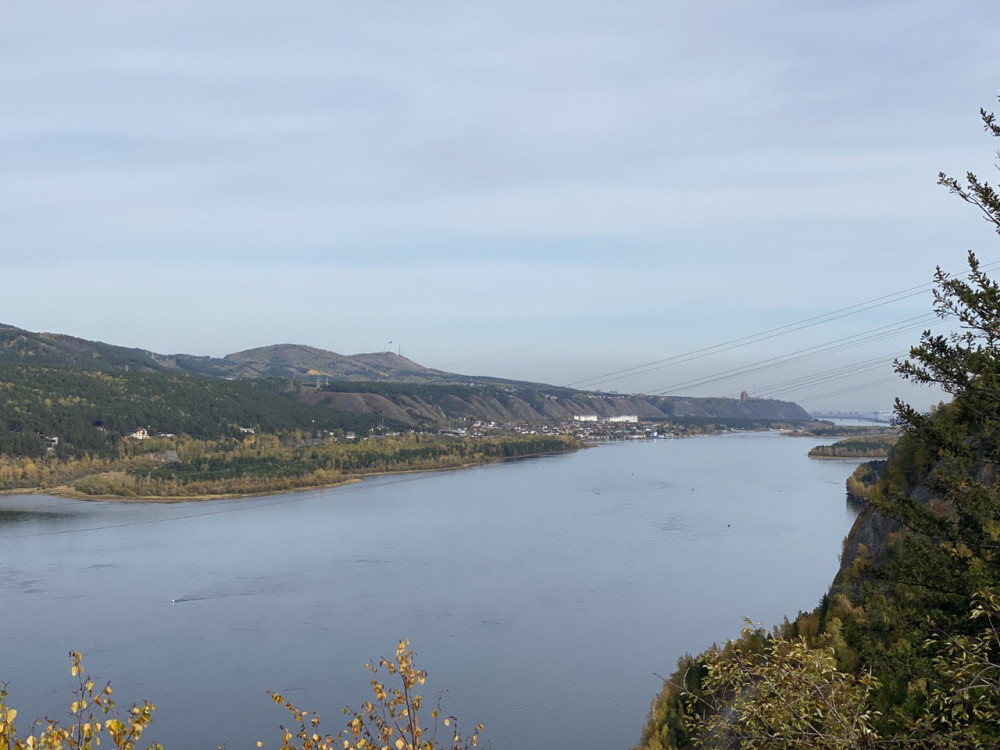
column 543, row 594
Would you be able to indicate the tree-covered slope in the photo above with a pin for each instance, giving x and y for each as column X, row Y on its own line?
column 18, row 346
column 289, row 361
column 379, row 385
column 904, row 650
column 90, row 410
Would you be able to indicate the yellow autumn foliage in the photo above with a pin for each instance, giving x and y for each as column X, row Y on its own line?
column 392, row 720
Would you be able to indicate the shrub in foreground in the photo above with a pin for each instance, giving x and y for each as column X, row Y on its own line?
column 392, row 721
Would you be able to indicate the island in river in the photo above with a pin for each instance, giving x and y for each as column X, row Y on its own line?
column 867, row 446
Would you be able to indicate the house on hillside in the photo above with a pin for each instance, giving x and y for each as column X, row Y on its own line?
column 140, row 433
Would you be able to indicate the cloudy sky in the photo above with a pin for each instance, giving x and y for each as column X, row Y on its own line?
column 569, row 192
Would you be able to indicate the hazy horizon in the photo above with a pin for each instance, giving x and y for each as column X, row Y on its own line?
column 577, row 194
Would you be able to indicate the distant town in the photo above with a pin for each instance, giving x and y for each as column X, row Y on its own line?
column 587, row 427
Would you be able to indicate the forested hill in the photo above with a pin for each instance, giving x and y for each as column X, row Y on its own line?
column 18, row 346
column 89, row 411
column 89, row 394
column 290, row 361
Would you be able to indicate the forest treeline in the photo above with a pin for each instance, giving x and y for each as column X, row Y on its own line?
column 870, row 446
column 89, row 411
column 259, row 463
column 864, row 479
column 824, row 428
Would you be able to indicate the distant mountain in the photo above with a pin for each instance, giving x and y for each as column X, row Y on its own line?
column 384, row 385
column 421, row 404
column 305, row 362
column 289, row 361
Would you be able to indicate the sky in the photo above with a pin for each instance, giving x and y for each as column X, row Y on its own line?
column 564, row 192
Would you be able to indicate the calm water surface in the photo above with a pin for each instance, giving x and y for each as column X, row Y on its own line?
column 543, row 594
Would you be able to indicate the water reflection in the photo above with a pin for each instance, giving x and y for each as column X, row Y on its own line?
column 544, row 594
column 38, row 511
column 11, row 517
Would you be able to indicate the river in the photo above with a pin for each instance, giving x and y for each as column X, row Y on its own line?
column 543, row 594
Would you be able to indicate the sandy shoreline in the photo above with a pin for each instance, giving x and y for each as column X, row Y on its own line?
column 70, row 493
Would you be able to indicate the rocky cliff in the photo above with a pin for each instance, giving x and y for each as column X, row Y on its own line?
column 522, row 404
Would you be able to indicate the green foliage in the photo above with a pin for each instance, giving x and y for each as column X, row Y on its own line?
column 778, row 693
column 263, row 465
column 53, row 349
column 871, row 446
column 963, row 702
column 789, row 691
column 892, row 657
column 259, row 463
column 939, row 493
column 89, row 411
column 862, row 482
column 676, row 709
column 828, row 429
column 708, row 425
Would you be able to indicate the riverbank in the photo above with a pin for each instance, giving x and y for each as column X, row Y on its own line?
column 248, row 469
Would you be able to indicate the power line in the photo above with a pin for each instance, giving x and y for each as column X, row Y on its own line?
column 859, row 387
column 800, row 384
column 754, row 337
column 847, row 342
column 793, row 383
column 760, row 336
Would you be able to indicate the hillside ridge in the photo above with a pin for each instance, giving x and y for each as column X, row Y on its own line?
column 385, row 385
column 290, row 361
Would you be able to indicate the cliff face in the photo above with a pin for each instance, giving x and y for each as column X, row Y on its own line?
column 440, row 404
column 872, row 533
